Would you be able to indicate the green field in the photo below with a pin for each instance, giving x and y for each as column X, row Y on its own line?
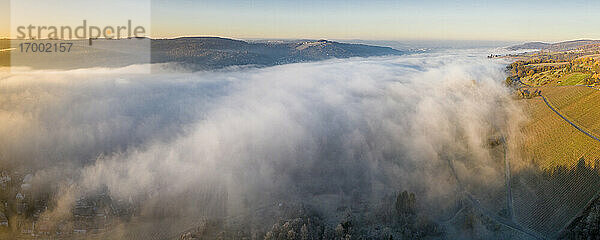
column 556, row 78
column 573, row 79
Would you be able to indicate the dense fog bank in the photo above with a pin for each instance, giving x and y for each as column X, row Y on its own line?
column 325, row 134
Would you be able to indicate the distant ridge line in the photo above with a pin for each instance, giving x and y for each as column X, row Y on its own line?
column 558, row 46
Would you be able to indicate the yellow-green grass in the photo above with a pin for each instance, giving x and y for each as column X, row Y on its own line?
column 579, row 104
column 536, row 65
column 550, row 141
column 556, row 78
column 573, row 79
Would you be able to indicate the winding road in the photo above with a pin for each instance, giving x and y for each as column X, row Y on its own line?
column 560, row 114
column 555, row 110
column 507, row 222
column 509, row 196
column 584, row 132
column 567, row 120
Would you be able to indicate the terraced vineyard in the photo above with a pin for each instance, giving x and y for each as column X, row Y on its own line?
column 558, row 172
column 546, row 201
column 558, row 185
column 550, row 141
column 581, row 104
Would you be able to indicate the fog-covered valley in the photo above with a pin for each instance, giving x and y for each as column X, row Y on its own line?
column 246, row 148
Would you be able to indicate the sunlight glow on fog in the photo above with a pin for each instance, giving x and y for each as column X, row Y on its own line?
column 320, row 133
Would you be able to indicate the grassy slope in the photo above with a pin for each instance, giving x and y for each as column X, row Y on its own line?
column 547, row 203
column 555, row 78
column 580, row 104
column 573, row 79
column 550, row 141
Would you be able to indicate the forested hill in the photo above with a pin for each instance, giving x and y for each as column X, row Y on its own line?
column 213, row 52
column 196, row 53
column 560, row 46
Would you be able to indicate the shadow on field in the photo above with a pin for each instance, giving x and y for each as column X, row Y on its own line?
column 549, row 200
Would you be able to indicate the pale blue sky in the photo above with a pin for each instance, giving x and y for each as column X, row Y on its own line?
column 380, row 19
column 370, row 20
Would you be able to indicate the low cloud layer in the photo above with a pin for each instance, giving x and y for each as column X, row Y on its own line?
column 325, row 133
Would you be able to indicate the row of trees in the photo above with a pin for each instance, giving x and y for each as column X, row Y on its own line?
column 586, row 65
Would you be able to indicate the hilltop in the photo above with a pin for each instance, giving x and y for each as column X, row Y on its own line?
column 559, row 46
column 214, row 52
column 196, row 53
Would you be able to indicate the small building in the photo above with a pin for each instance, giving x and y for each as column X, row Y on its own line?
column 3, row 220
column 5, row 180
column 20, row 196
column 22, row 205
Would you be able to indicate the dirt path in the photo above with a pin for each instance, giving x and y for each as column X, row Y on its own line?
column 567, row 120
column 509, row 196
column 507, row 222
